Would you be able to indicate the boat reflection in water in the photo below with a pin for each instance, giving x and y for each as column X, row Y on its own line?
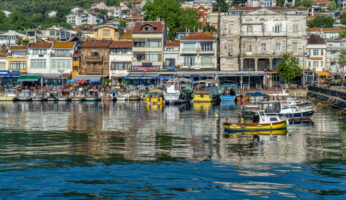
column 154, row 107
column 227, row 105
column 257, row 133
column 202, row 106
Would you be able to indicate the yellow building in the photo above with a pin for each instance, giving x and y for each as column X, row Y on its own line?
column 75, row 64
column 18, row 59
column 106, row 32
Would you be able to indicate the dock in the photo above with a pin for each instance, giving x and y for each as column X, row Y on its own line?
column 335, row 97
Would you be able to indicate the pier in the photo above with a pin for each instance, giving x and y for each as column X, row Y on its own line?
column 334, row 96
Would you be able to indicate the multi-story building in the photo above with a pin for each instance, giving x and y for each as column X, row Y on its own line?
column 95, row 57
column 255, row 40
column 76, row 63
column 3, row 62
column 171, row 55
column 334, row 48
column 120, row 59
column 18, row 59
column 198, row 51
column 10, row 38
column 326, row 33
column 148, row 38
column 85, row 18
column 261, row 3
column 38, row 58
column 61, row 58
column 316, row 49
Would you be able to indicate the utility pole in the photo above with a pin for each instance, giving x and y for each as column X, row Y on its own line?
column 303, row 74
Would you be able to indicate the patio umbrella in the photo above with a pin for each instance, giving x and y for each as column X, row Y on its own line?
column 94, row 81
column 81, row 81
column 72, row 81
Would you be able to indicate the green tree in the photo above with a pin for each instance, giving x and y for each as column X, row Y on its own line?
column 343, row 18
column 342, row 63
column 209, row 28
column 321, row 22
column 237, row 3
column 332, row 6
column 342, row 34
column 174, row 16
column 220, row 5
column 305, row 3
column 288, row 68
column 280, row 2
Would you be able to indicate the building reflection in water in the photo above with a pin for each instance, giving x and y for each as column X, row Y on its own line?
column 131, row 131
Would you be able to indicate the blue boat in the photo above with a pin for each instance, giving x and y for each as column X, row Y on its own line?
column 229, row 92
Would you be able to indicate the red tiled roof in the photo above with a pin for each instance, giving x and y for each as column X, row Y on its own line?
column 3, row 55
column 325, row 30
column 199, row 36
column 17, row 48
column 40, row 45
column 122, row 44
column 63, row 45
column 321, row 1
column 96, row 44
column 172, row 44
column 158, row 27
column 315, row 39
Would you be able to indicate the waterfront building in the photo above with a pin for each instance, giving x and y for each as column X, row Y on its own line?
column 326, row 33
column 316, row 49
column 254, row 39
column 18, row 59
column 333, row 50
column 10, row 38
column 38, row 57
column 3, row 62
column 106, row 32
column 76, row 63
column 120, row 59
column 95, row 58
column 172, row 55
column 148, row 38
column 198, row 51
column 61, row 58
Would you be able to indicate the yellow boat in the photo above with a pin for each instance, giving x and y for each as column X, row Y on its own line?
column 271, row 132
column 205, row 91
column 155, row 96
column 260, row 122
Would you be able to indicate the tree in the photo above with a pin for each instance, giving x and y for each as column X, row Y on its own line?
column 280, row 2
column 220, row 5
column 237, row 3
column 332, row 6
column 288, row 68
column 305, row 3
column 342, row 34
column 174, row 16
column 321, row 22
column 209, row 28
column 343, row 18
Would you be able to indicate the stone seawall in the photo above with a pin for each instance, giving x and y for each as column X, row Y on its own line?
column 333, row 97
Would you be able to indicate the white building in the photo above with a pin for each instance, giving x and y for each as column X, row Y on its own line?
column 171, row 54
column 261, row 3
column 99, row 5
column 334, row 48
column 198, row 51
column 61, row 58
column 76, row 19
column 10, row 38
column 120, row 59
column 38, row 58
column 3, row 62
column 316, row 49
column 52, row 14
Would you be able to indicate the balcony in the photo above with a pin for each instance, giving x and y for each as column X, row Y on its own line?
column 207, row 51
column 61, row 55
column 189, row 50
column 93, row 58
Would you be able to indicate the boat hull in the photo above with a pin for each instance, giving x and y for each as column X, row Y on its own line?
column 23, row 98
column 154, row 100
column 227, row 98
column 203, row 98
column 243, row 127
column 299, row 116
column 37, row 99
column 63, row 99
column 107, row 99
column 92, row 99
column 7, row 98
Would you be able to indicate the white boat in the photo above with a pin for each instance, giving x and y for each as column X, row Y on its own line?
column 9, row 95
column 123, row 97
column 176, row 93
column 25, row 95
column 93, row 95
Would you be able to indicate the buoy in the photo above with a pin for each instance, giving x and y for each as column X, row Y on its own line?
column 216, row 116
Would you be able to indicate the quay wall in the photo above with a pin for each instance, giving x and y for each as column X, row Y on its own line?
column 333, row 97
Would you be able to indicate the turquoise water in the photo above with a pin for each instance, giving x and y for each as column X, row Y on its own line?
column 131, row 151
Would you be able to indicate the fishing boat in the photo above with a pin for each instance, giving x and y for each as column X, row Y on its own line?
column 283, row 109
column 260, row 122
column 123, row 97
column 107, row 96
column 38, row 96
column 77, row 95
column 229, row 92
column 205, row 91
column 155, row 96
column 52, row 96
column 134, row 95
column 25, row 95
column 176, row 92
column 93, row 95
column 9, row 95
column 64, row 96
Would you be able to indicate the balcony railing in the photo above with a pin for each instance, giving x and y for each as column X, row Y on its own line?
column 93, row 58
column 189, row 50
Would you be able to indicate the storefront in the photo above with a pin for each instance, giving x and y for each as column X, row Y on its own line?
column 9, row 78
column 244, row 80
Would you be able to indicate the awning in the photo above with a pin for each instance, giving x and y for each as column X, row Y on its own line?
column 322, row 73
column 29, row 78
column 88, row 77
column 10, row 75
column 142, row 76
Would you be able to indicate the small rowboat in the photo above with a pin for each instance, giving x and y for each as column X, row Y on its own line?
column 261, row 122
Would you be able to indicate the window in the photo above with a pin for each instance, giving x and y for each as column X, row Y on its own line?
column 264, row 47
column 309, row 64
column 38, row 63
column 189, row 60
column 154, row 44
column 120, row 65
column 322, row 64
column 207, row 60
column 249, row 47
column 315, row 64
column 315, row 52
column 61, row 64
column 75, row 69
column 295, row 28
column 278, row 47
column 139, row 57
column 39, row 51
column 294, row 46
column 249, row 28
column 18, row 53
column 273, row 119
column 170, row 62
column 231, row 28
column 277, row 29
column 121, row 50
column 2, row 65
column 152, row 56
column 106, row 33
column 322, row 51
column 75, row 59
column 65, row 53
column 169, row 48
column 189, row 47
column 207, row 46
column 139, row 44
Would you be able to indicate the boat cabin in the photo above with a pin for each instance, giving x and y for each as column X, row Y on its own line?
column 260, row 117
